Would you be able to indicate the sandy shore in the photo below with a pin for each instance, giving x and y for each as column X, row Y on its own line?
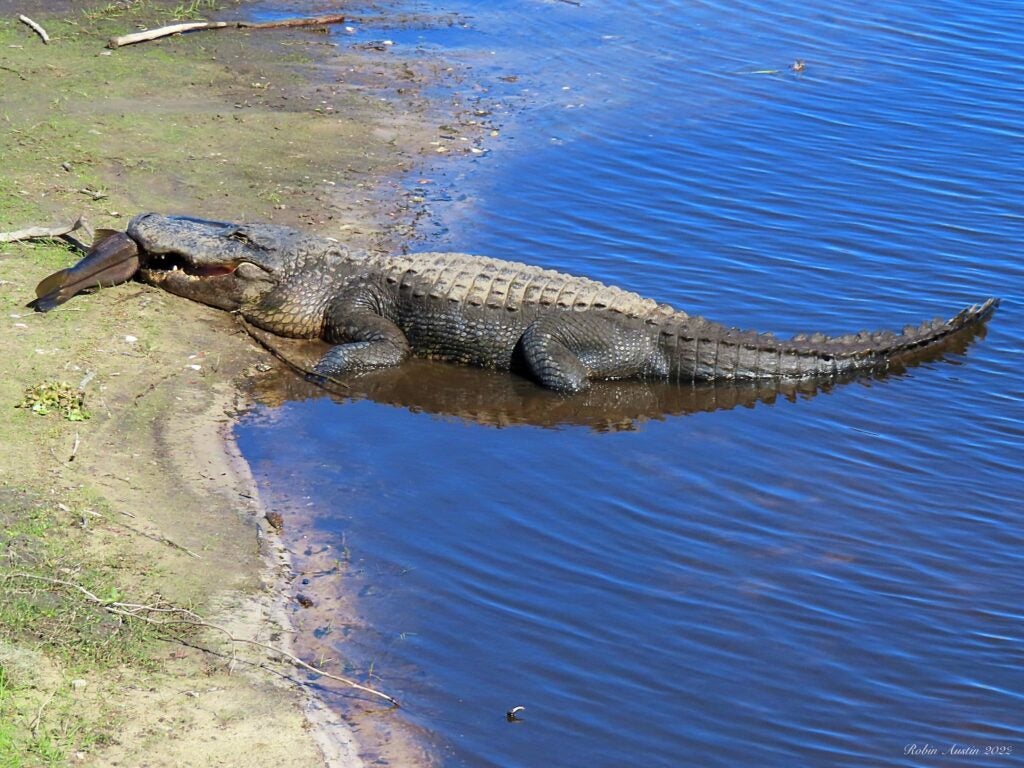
column 149, row 496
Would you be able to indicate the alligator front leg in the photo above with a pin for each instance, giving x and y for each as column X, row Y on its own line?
column 566, row 351
column 366, row 339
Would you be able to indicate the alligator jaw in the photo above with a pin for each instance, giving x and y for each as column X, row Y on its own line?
column 212, row 262
column 154, row 264
column 220, row 284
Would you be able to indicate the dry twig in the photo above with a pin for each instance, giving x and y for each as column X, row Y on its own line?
column 159, row 538
column 172, row 29
column 192, row 619
column 315, row 21
column 193, row 26
column 35, row 27
column 12, row 69
column 34, row 725
column 64, row 232
column 36, row 233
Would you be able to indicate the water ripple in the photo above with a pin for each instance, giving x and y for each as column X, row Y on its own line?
column 817, row 582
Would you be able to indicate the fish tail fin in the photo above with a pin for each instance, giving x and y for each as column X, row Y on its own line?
column 48, row 292
column 114, row 260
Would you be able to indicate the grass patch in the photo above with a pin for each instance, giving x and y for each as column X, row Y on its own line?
column 43, row 543
column 50, row 638
column 161, row 11
column 194, row 9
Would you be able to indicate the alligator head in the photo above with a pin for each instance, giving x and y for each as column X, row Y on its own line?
column 224, row 265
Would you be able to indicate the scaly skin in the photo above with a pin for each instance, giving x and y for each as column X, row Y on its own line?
column 564, row 331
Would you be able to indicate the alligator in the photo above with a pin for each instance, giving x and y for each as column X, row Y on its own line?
column 561, row 330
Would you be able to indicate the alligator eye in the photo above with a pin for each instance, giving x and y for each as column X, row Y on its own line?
column 240, row 236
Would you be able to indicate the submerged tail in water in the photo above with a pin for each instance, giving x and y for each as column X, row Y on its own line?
column 704, row 351
column 114, row 259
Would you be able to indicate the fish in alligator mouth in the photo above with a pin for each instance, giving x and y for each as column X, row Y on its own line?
column 563, row 331
column 113, row 259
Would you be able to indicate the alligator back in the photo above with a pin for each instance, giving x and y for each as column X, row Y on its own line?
column 480, row 281
column 475, row 309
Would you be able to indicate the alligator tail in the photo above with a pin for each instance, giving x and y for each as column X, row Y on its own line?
column 699, row 350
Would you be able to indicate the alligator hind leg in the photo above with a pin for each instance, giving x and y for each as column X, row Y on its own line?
column 366, row 339
column 566, row 351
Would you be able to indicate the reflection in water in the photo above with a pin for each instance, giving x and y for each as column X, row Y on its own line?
column 500, row 399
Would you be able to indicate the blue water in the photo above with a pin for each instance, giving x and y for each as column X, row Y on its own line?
column 821, row 580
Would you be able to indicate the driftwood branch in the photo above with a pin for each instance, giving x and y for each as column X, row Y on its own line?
column 193, row 619
column 314, row 21
column 153, row 34
column 39, row 233
column 193, row 26
column 64, row 232
column 35, row 27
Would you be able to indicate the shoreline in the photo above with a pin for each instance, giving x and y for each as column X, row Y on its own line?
column 156, row 503
column 335, row 739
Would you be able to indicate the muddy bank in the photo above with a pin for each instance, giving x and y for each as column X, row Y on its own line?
column 147, row 497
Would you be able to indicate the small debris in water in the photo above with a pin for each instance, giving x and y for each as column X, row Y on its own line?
column 513, row 714
column 304, row 601
column 275, row 520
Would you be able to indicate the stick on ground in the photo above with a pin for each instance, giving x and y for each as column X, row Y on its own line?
column 173, row 29
column 191, row 618
column 12, row 69
column 193, row 26
column 314, row 21
column 36, row 28
column 38, row 233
